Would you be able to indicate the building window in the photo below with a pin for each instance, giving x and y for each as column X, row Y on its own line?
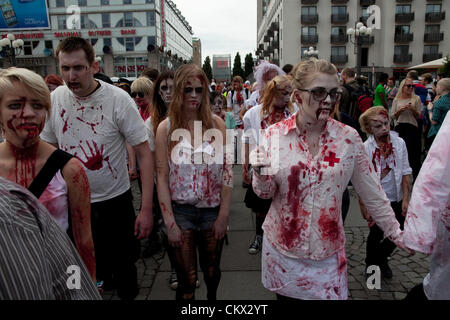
column 86, row 23
column 128, row 18
column 433, row 8
column 309, row 11
column 338, row 51
column 126, row 1
column 107, row 42
column 130, row 42
column 106, row 20
column 309, row 31
column 60, row 4
column 401, row 51
column 403, row 9
column 128, row 23
column 27, row 48
column 150, row 1
column 338, row 31
column 401, row 29
column 151, row 40
column 105, row 2
column 151, row 18
column 62, row 22
column 48, row 44
column 431, row 49
column 82, row 3
column 339, row 10
column 94, row 41
column 129, row 66
column 432, row 28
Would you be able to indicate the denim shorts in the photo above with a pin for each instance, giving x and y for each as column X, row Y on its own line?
column 188, row 216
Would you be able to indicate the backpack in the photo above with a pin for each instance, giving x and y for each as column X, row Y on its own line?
column 360, row 99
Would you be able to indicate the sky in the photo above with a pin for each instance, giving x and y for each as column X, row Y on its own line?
column 223, row 26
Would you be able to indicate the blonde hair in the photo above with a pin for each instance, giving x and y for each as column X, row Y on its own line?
column 305, row 71
column 272, row 92
column 176, row 116
column 144, row 85
column 444, row 83
column 415, row 98
column 31, row 82
column 364, row 119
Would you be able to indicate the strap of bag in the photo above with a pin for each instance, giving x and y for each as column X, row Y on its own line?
column 57, row 160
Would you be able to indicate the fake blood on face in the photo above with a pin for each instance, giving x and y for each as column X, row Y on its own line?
column 25, row 169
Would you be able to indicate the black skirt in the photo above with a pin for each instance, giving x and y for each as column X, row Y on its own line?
column 258, row 205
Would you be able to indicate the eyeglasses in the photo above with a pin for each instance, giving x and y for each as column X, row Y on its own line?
column 139, row 94
column 319, row 94
column 409, row 85
column 197, row 90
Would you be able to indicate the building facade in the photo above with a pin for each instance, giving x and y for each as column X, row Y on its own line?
column 128, row 35
column 221, row 67
column 197, row 51
column 411, row 32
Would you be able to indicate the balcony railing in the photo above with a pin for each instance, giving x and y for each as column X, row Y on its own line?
column 266, row 53
column 276, row 61
column 275, row 43
column 310, row 38
column 339, row 1
column 310, row 18
column 431, row 56
column 404, row 17
column 275, row 26
column 402, row 58
column 309, row 1
column 339, row 59
column 404, row 1
column 434, row 16
column 402, row 38
column 266, row 38
column 366, row 2
column 433, row 37
column 339, row 18
column 261, row 46
column 367, row 39
column 339, row 38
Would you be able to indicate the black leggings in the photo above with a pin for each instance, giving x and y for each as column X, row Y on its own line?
column 413, row 141
column 210, row 251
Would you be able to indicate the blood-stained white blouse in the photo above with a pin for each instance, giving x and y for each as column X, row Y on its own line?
column 427, row 224
column 304, row 220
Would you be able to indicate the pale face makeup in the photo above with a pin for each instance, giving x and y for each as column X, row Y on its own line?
column 380, row 127
column 166, row 91
column 317, row 111
column 217, row 105
column 193, row 93
column 22, row 117
column 284, row 95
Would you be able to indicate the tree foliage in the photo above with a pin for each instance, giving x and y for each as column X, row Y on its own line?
column 237, row 66
column 445, row 69
column 207, row 68
column 248, row 65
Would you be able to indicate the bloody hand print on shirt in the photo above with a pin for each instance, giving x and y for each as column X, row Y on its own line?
column 94, row 161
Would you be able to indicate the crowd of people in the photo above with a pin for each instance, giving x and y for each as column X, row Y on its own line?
column 76, row 142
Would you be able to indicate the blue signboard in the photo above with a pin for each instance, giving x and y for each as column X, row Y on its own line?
column 24, row 14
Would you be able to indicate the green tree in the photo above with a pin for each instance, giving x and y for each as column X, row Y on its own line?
column 445, row 69
column 207, row 68
column 248, row 65
column 237, row 66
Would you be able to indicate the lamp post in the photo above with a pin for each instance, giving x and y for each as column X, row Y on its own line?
column 357, row 33
column 11, row 47
column 311, row 52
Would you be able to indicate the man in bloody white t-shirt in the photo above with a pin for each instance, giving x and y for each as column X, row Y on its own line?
column 92, row 120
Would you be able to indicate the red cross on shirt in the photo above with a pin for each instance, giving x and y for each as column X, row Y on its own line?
column 331, row 159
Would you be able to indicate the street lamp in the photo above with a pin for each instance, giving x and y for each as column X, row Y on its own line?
column 358, row 33
column 311, row 52
column 11, row 47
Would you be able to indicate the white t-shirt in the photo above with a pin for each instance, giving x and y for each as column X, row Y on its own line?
column 150, row 133
column 94, row 129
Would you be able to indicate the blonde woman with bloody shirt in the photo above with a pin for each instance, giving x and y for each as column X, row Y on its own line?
column 24, row 106
column 194, row 197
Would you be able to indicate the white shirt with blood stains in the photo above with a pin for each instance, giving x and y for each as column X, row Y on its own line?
column 304, row 220
column 398, row 163
column 94, row 129
column 198, row 184
column 427, row 224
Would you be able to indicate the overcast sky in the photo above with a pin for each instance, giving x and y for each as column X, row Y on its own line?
column 223, row 26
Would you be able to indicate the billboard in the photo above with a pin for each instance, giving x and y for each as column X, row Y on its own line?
column 24, row 14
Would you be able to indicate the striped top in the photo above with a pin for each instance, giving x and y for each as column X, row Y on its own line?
column 35, row 253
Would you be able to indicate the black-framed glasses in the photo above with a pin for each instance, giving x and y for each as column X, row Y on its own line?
column 320, row 93
column 409, row 85
column 139, row 94
column 198, row 90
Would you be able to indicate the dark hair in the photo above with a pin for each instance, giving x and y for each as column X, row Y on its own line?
column 103, row 77
column 413, row 74
column 213, row 95
column 152, row 74
column 159, row 107
column 383, row 77
column 427, row 77
column 72, row 44
column 391, row 78
column 287, row 68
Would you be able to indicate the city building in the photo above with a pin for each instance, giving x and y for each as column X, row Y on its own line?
column 412, row 32
column 128, row 35
column 197, row 51
column 221, row 67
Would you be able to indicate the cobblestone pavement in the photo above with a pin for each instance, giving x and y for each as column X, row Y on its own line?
column 408, row 270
